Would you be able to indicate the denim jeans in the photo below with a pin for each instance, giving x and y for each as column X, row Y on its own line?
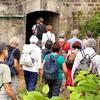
column 54, row 86
column 30, row 80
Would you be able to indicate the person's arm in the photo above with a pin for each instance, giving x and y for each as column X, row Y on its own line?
column 53, row 38
column 6, row 81
column 43, row 40
column 17, row 66
column 9, row 91
column 76, row 63
column 33, row 29
column 41, row 72
column 39, row 58
column 64, row 68
column 16, row 61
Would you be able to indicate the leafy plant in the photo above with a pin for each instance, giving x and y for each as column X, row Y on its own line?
column 92, row 24
column 36, row 95
column 87, row 87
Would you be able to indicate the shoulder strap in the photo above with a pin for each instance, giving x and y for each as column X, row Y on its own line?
column 1, row 62
column 94, row 54
column 48, row 36
column 83, row 53
column 63, row 44
column 1, row 86
column 13, row 51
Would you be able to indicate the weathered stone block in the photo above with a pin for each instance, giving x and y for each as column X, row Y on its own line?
column 77, row 4
column 86, row 0
column 90, row 4
column 98, row 8
column 70, row 0
column 77, row 0
column 93, row 0
column 98, row 0
column 97, row 5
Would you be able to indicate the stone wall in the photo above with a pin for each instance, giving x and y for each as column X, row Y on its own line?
column 98, row 45
column 69, row 9
column 13, row 14
column 10, row 27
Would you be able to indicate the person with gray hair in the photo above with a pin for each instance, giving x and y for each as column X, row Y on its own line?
column 14, row 65
column 74, row 38
column 31, row 73
column 89, row 50
column 88, row 38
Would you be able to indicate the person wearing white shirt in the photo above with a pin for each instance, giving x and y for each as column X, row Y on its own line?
column 31, row 73
column 90, row 50
column 48, row 35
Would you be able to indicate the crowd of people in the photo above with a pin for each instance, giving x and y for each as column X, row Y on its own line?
column 54, row 61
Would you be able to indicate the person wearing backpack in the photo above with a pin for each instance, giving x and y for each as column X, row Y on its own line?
column 86, row 59
column 70, row 61
column 52, row 69
column 47, row 49
column 6, row 90
column 13, row 61
column 31, row 72
column 48, row 36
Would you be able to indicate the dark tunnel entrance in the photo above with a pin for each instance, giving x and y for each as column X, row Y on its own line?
column 50, row 17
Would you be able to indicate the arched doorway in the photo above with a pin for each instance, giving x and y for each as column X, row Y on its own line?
column 50, row 17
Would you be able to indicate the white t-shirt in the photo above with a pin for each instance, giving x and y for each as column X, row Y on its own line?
column 47, row 36
column 79, row 57
column 37, row 54
column 5, row 77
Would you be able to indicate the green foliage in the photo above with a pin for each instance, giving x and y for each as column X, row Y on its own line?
column 36, row 95
column 93, row 25
column 87, row 87
column 45, row 89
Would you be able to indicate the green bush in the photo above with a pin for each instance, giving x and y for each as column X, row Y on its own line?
column 87, row 87
column 36, row 95
column 93, row 25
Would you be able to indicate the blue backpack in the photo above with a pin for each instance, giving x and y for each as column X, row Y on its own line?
column 50, row 68
column 10, row 62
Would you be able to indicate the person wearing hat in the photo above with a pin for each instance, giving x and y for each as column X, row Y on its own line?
column 31, row 73
column 6, row 91
column 74, row 38
column 89, row 50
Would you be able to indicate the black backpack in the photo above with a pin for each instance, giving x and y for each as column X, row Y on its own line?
column 10, row 62
column 41, row 28
column 50, row 68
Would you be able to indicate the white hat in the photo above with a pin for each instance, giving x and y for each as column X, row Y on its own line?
column 33, row 39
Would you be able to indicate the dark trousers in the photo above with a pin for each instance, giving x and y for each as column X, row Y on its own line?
column 54, row 86
column 30, row 80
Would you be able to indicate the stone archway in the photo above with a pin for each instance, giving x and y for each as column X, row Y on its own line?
column 50, row 17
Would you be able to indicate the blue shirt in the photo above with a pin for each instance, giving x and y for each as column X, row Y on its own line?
column 72, row 40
